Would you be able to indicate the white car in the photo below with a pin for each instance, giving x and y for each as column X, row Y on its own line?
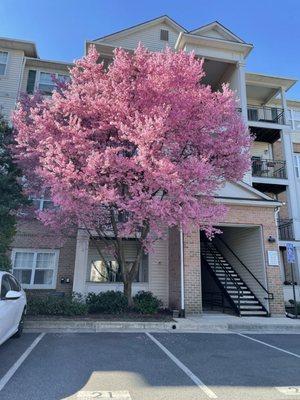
column 12, row 307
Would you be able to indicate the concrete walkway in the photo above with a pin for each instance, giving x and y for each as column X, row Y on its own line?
column 210, row 323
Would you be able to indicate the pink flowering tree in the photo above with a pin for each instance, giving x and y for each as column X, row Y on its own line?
column 132, row 150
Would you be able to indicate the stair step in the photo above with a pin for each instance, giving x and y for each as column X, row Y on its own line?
column 246, row 307
column 253, row 314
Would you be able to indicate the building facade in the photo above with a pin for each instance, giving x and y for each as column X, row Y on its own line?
column 244, row 268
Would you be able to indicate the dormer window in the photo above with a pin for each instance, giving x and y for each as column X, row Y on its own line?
column 164, row 35
column 3, row 62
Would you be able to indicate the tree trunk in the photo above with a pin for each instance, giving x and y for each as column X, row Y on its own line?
column 128, row 291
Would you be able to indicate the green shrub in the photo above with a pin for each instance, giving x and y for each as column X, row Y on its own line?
column 146, row 303
column 292, row 307
column 53, row 305
column 110, row 302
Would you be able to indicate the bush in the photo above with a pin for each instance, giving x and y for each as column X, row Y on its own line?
column 146, row 303
column 110, row 302
column 52, row 305
column 292, row 307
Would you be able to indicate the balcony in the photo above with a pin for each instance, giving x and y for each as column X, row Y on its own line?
column 268, row 168
column 285, row 229
column 271, row 115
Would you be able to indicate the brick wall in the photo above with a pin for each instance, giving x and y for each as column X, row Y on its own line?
column 240, row 215
column 192, row 272
column 34, row 235
column 265, row 217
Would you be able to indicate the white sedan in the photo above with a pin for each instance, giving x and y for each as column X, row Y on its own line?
column 12, row 307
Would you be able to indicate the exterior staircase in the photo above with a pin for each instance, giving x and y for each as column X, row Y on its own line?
column 239, row 296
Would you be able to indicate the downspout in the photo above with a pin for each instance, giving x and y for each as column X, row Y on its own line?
column 182, row 305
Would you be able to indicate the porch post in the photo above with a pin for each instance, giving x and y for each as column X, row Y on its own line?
column 81, row 259
column 192, row 272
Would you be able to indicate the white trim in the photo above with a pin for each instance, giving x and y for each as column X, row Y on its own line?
column 35, row 251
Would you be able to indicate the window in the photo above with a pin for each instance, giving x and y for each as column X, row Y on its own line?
column 13, row 283
column 5, row 286
column 42, row 203
column 164, row 35
column 35, row 268
column 297, row 164
column 3, row 62
column 109, row 272
column 46, row 84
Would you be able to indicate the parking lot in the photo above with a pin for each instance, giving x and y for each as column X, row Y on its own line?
column 156, row 366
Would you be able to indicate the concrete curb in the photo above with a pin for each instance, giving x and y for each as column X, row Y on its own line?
column 94, row 326
column 179, row 325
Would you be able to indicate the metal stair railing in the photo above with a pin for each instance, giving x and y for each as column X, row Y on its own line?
column 270, row 295
column 219, row 263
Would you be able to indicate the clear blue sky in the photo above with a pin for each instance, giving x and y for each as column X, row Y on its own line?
column 59, row 27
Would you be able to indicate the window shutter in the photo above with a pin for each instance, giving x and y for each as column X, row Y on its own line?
column 31, row 81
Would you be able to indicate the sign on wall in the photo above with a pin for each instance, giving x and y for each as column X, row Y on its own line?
column 273, row 258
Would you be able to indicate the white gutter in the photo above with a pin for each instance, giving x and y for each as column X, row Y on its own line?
column 182, row 311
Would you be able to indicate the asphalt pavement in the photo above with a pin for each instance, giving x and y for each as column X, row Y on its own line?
column 156, row 366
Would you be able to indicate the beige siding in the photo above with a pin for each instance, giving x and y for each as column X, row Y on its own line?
column 149, row 37
column 159, row 271
column 9, row 84
column 247, row 244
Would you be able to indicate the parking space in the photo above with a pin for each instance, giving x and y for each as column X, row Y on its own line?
column 158, row 366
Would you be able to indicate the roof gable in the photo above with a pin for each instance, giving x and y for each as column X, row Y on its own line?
column 241, row 191
column 164, row 19
column 217, row 31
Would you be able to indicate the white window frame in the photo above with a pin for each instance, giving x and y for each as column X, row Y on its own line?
column 41, row 201
column 38, row 80
column 32, row 285
column 297, row 165
column 6, row 65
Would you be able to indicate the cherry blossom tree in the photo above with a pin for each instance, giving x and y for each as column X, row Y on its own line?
column 132, row 150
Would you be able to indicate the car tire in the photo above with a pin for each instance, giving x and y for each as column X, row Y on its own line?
column 20, row 326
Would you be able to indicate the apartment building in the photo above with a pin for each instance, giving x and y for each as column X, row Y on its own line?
column 243, row 269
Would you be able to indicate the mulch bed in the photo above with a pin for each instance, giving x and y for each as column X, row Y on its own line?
column 129, row 316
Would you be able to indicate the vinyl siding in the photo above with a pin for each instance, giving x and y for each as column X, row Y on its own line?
column 246, row 243
column 158, row 276
column 159, row 270
column 149, row 37
column 9, row 83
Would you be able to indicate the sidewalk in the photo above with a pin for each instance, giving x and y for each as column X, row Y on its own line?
column 211, row 323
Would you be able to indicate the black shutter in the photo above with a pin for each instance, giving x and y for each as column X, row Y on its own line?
column 31, row 81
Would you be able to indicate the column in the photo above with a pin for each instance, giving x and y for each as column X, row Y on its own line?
column 192, row 273
column 81, row 260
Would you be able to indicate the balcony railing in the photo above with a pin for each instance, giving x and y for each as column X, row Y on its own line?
column 266, row 114
column 268, row 168
column 285, row 229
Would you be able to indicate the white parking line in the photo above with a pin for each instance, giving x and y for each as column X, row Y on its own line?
column 185, row 369
column 10, row 373
column 268, row 345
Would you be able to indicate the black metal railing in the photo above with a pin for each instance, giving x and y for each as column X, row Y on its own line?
column 214, row 300
column 219, row 263
column 285, row 229
column 266, row 114
column 270, row 296
column 268, row 168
